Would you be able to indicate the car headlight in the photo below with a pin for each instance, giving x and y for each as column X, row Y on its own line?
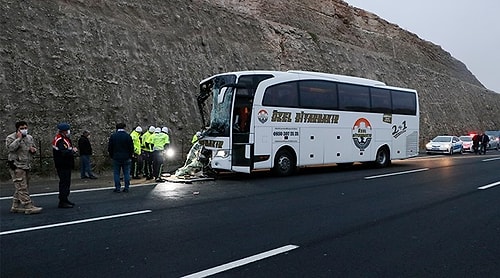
column 447, row 146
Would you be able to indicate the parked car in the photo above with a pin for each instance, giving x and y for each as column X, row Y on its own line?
column 495, row 133
column 467, row 143
column 445, row 144
column 494, row 143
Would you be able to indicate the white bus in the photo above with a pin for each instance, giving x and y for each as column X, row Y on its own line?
column 284, row 120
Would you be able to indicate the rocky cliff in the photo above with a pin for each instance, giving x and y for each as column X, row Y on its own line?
column 95, row 62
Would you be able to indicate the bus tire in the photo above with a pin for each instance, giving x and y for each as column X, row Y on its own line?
column 382, row 159
column 284, row 163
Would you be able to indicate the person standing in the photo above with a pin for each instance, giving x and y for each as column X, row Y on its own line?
column 121, row 150
column 64, row 160
column 159, row 139
column 21, row 148
column 475, row 143
column 85, row 149
column 485, row 140
column 196, row 137
column 136, row 159
column 147, row 152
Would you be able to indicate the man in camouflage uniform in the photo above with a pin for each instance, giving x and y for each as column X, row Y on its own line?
column 21, row 149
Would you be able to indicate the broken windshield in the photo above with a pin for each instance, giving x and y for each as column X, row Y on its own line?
column 222, row 97
column 222, row 89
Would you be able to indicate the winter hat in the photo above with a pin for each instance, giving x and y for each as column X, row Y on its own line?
column 63, row 126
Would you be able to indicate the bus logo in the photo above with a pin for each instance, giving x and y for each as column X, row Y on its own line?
column 362, row 133
column 262, row 116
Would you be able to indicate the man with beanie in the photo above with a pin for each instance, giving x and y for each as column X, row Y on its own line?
column 64, row 153
column 21, row 148
column 121, row 150
column 136, row 159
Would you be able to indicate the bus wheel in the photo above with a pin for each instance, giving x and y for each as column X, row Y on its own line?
column 284, row 163
column 382, row 159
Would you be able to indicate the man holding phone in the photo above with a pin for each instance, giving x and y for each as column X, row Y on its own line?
column 21, row 149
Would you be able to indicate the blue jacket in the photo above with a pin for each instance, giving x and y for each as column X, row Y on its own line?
column 120, row 146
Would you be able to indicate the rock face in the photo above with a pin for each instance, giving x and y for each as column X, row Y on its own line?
column 94, row 63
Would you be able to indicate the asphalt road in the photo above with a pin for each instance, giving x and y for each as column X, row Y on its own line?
column 432, row 216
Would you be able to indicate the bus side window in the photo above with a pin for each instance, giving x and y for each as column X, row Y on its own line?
column 381, row 100
column 404, row 103
column 284, row 95
column 354, row 98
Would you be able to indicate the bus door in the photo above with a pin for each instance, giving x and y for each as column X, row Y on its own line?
column 242, row 148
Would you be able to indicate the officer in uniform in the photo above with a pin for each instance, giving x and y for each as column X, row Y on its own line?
column 160, row 140
column 147, row 152
column 64, row 153
column 136, row 158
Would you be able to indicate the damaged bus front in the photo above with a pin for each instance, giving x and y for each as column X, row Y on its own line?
column 228, row 135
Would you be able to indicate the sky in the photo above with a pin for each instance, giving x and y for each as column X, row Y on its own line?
column 468, row 30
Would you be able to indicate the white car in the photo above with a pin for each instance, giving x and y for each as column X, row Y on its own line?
column 445, row 144
column 467, row 143
column 494, row 143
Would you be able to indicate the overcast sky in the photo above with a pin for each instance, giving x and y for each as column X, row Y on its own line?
column 468, row 30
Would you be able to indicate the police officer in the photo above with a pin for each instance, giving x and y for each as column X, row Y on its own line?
column 147, row 152
column 160, row 141
column 136, row 158
column 64, row 152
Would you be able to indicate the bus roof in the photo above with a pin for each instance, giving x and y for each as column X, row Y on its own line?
column 311, row 74
column 341, row 78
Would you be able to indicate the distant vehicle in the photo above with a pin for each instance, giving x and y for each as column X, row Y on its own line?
column 445, row 144
column 494, row 143
column 467, row 143
column 495, row 133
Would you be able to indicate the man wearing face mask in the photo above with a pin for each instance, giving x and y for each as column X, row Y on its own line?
column 64, row 161
column 21, row 149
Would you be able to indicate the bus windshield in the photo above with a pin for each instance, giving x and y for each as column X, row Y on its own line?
column 223, row 89
column 220, row 116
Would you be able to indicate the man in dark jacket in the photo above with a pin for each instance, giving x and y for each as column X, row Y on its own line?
column 475, row 143
column 64, row 152
column 485, row 140
column 121, row 150
column 85, row 149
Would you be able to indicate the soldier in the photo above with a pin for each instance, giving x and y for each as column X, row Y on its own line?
column 21, row 149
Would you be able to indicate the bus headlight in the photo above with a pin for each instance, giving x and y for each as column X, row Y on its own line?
column 222, row 153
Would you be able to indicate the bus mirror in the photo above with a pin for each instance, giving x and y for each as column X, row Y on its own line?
column 222, row 93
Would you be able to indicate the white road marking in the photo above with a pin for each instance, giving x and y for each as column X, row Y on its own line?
column 490, row 159
column 73, row 222
column 397, row 173
column 241, row 262
column 75, row 191
column 489, row 185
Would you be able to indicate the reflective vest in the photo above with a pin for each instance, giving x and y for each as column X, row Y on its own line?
column 146, row 142
column 160, row 140
column 195, row 139
column 136, row 138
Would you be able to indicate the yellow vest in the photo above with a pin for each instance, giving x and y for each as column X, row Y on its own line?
column 136, row 138
column 159, row 141
column 146, row 143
